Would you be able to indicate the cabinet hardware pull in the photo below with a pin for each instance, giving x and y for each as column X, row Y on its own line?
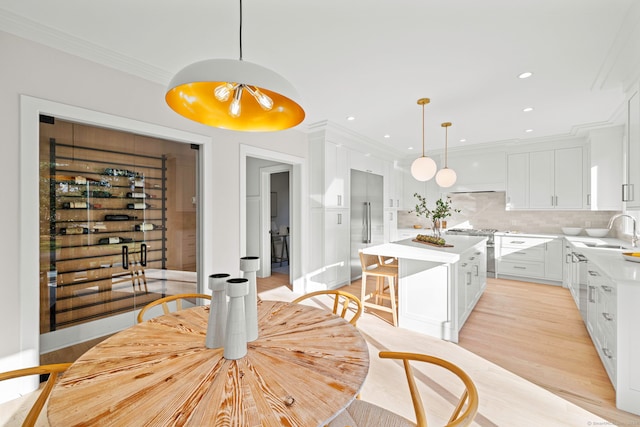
column 606, row 288
column 556, row 201
column 517, row 242
column 143, row 254
column 339, row 200
column 591, row 294
column 588, row 199
column 476, row 269
column 593, row 273
column 468, row 278
column 390, row 203
column 627, row 192
column 339, row 218
column 519, row 267
column 551, row 200
column 607, row 352
column 125, row 257
column 566, row 259
column 608, row 316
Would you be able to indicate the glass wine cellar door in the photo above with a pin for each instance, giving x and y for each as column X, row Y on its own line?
column 117, row 222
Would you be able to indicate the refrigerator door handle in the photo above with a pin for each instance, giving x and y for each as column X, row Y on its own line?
column 369, row 222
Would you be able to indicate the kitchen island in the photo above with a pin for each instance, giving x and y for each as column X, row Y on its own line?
column 438, row 286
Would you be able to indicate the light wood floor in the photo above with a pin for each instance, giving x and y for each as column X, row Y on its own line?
column 536, row 331
column 532, row 330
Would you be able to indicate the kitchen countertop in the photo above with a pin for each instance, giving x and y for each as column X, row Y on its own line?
column 609, row 260
column 409, row 249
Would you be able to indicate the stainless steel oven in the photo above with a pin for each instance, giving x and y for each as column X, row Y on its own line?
column 491, row 251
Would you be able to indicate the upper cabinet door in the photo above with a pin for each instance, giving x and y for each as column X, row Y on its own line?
column 569, row 189
column 517, row 181
column 631, row 190
column 541, row 180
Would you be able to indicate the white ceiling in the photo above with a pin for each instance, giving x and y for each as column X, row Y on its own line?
column 373, row 59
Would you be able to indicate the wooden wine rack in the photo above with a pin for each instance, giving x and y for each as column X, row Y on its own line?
column 91, row 276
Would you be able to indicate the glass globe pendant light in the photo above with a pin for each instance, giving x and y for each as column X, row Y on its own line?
column 235, row 95
column 446, row 177
column 423, row 168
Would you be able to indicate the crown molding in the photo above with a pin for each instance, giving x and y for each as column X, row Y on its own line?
column 36, row 32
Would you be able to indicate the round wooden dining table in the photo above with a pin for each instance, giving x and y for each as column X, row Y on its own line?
column 306, row 366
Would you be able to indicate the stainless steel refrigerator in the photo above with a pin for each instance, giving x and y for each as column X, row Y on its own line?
column 367, row 211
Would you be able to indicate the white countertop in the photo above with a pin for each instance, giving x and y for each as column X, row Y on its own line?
column 409, row 249
column 610, row 261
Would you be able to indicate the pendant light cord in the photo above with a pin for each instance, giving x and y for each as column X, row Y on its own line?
column 446, row 143
column 240, row 30
column 422, row 130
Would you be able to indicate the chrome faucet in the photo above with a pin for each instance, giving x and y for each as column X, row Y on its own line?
column 634, row 236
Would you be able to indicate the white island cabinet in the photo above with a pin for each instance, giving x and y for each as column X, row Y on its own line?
column 438, row 287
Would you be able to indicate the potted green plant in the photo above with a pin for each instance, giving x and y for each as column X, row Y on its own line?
column 443, row 210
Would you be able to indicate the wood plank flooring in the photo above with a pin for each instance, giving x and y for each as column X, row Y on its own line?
column 532, row 330
column 536, row 331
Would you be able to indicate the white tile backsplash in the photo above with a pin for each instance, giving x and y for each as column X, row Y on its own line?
column 487, row 210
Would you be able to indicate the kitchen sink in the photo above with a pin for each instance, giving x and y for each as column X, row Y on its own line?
column 605, row 246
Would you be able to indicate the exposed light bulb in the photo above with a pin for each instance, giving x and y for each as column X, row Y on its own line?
column 263, row 100
column 234, row 108
column 223, row 92
column 446, row 177
column 423, row 168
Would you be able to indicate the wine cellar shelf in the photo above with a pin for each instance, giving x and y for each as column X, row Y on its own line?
column 107, row 226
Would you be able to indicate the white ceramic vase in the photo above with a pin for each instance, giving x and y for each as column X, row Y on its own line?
column 217, row 310
column 235, row 340
column 249, row 265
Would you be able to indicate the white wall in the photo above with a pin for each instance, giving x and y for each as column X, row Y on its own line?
column 38, row 71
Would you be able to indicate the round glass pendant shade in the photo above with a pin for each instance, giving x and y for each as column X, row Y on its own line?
column 446, row 177
column 423, row 168
column 191, row 93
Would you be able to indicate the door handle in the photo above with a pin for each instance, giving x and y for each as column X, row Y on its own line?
column 369, row 223
column 125, row 257
column 143, row 254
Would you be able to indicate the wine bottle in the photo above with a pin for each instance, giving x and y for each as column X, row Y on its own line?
column 76, row 205
column 137, row 195
column 118, row 217
column 74, row 230
column 138, row 182
column 145, row 226
column 138, row 206
column 112, row 240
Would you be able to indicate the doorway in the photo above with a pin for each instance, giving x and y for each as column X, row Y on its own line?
column 255, row 212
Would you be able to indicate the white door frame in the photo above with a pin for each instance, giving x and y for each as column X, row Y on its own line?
column 298, row 205
column 32, row 343
column 265, row 215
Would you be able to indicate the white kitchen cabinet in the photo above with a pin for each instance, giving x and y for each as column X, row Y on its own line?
column 537, row 258
column 556, row 179
column 631, row 188
column 553, row 259
column 336, row 175
column 605, row 176
column 366, row 163
column 337, row 247
column 546, row 179
column 478, row 170
column 517, row 196
column 472, row 281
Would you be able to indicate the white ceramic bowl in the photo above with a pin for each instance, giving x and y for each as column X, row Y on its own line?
column 571, row 231
column 597, row 232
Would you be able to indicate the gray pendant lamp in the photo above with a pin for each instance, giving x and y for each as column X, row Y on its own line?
column 235, row 95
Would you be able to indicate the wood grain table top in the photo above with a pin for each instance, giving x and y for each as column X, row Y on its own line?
column 306, row 366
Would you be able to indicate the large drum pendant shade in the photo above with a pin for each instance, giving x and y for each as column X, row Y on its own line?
column 191, row 94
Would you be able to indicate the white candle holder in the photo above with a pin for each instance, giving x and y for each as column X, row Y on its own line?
column 249, row 265
column 235, row 340
column 217, row 310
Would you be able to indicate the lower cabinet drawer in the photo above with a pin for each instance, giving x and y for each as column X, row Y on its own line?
column 526, row 269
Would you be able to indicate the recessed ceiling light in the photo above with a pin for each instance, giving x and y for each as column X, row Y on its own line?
column 351, row 118
column 525, row 75
column 410, row 148
column 527, row 109
column 463, row 140
column 528, row 130
column 387, row 136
